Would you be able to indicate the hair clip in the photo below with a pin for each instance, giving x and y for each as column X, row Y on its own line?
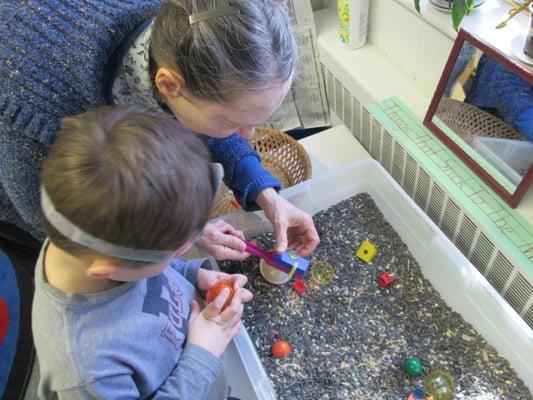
column 213, row 13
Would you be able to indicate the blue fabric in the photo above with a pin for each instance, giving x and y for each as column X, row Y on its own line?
column 462, row 61
column 250, row 180
column 9, row 316
column 243, row 172
column 524, row 123
column 501, row 92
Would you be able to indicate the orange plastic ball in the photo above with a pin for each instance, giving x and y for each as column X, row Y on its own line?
column 281, row 349
column 213, row 293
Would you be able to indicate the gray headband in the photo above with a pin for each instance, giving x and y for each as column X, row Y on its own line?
column 213, row 13
column 77, row 235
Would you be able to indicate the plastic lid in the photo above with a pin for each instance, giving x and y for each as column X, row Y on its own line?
column 272, row 274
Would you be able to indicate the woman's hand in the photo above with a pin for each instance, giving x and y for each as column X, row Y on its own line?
column 207, row 279
column 223, row 241
column 294, row 228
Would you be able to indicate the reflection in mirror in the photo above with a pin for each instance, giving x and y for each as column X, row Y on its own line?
column 483, row 110
column 491, row 109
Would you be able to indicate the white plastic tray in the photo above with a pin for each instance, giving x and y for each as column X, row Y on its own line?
column 458, row 282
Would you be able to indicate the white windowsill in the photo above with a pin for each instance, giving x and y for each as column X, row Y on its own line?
column 372, row 74
column 366, row 72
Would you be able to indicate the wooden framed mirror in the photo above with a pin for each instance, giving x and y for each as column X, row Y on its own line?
column 482, row 110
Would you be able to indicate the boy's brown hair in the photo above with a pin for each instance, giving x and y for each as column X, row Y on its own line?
column 130, row 176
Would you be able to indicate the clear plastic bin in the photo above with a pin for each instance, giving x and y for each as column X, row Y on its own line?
column 511, row 157
column 451, row 274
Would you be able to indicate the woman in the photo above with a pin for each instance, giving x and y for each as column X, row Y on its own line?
column 221, row 67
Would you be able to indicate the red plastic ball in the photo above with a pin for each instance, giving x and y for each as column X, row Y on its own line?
column 281, row 349
column 213, row 293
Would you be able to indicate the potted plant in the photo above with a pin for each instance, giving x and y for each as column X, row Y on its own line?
column 461, row 8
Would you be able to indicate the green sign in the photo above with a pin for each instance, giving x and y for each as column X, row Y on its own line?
column 508, row 228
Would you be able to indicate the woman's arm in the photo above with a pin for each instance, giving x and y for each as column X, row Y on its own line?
column 254, row 186
column 243, row 172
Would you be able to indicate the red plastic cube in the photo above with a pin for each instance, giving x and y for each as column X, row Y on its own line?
column 385, row 279
column 299, row 286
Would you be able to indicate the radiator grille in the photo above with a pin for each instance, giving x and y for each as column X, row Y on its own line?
column 450, row 219
column 347, row 109
column 422, row 187
column 466, row 234
column 437, row 199
column 519, row 292
column 410, row 175
column 365, row 137
column 398, row 157
column 505, row 277
column 499, row 272
column 377, row 136
column 482, row 254
column 528, row 316
column 386, row 153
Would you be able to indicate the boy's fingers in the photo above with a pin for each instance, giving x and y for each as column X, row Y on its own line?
column 246, row 296
column 235, row 308
column 216, row 305
column 239, row 280
column 195, row 310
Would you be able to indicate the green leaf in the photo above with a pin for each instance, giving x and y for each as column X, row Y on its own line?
column 459, row 10
column 417, row 5
column 470, row 6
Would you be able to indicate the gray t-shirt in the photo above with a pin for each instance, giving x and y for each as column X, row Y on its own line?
column 124, row 343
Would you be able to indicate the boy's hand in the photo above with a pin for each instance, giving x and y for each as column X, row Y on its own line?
column 223, row 241
column 207, row 279
column 212, row 329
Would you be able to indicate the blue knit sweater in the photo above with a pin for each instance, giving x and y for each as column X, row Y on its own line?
column 55, row 61
column 500, row 91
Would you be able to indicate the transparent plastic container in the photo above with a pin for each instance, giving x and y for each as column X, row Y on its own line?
column 458, row 282
column 511, row 157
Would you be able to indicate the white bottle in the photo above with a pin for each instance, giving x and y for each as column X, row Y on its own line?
column 353, row 22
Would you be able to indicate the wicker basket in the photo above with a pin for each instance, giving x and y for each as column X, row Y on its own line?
column 283, row 156
column 468, row 121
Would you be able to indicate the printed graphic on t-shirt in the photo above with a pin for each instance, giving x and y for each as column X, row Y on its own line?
column 164, row 298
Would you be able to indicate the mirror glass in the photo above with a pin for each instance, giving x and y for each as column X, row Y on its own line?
column 483, row 110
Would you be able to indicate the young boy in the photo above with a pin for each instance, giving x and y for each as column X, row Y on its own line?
column 124, row 191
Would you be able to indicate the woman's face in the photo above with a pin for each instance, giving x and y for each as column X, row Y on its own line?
column 223, row 119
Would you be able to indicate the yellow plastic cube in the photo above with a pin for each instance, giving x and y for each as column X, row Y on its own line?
column 367, row 251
